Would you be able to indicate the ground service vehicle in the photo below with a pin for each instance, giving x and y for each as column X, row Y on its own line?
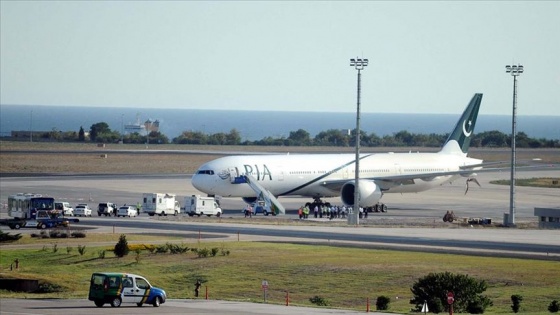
column 106, row 208
column 260, row 206
column 25, row 206
column 199, row 205
column 50, row 219
column 117, row 288
column 160, row 204
column 65, row 208
column 127, row 211
column 82, row 210
column 23, row 209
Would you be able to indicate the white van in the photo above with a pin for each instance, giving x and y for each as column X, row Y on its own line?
column 199, row 205
column 65, row 208
column 160, row 204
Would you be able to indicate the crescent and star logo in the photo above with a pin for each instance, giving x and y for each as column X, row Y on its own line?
column 465, row 132
column 224, row 174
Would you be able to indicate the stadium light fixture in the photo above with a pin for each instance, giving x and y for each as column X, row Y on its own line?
column 353, row 219
column 514, row 70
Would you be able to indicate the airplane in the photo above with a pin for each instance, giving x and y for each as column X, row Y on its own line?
column 257, row 177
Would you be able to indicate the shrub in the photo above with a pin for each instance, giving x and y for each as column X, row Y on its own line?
column 121, row 248
column 382, row 303
column 162, row 249
column 214, row 251
column 48, row 288
column 433, row 288
column 475, row 307
column 68, row 249
column 55, row 248
column 516, row 302
column 317, row 300
column 54, row 233
column 81, row 250
column 134, row 247
column 150, row 248
column 224, row 251
column 101, row 254
column 554, row 307
column 78, row 234
column 6, row 237
column 177, row 249
column 436, row 306
column 137, row 257
column 203, row 253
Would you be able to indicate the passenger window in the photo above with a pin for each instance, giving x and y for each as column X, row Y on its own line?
column 114, row 282
column 142, row 284
column 127, row 283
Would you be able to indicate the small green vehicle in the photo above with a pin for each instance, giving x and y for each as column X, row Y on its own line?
column 117, row 288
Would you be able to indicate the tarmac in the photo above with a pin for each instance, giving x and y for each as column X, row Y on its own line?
column 170, row 307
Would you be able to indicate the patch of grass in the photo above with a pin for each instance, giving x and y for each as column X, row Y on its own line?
column 345, row 277
column 545, row 182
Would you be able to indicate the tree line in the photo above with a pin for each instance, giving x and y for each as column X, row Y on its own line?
column 101, row 133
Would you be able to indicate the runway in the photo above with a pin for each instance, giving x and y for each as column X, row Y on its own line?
column 413, row 222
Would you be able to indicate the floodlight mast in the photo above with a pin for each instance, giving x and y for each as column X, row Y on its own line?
column 353, row 218
column 514, row 70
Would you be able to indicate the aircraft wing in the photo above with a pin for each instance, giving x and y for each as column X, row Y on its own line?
column 387, row 182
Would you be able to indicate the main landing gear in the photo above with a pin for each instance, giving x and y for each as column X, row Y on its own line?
column 378, row 207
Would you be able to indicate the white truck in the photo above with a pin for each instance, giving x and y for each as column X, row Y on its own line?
column 160, row 204
column 199, row 205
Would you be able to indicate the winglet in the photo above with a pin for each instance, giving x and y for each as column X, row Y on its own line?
column 460, row 139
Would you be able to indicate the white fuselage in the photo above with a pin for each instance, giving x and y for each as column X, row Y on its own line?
column 308, row 174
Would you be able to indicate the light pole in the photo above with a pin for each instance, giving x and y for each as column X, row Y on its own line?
column 353, row 219
column 514, row 70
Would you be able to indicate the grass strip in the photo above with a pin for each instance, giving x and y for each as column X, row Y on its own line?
column 345, row 277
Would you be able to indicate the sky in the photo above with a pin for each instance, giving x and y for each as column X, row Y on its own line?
column 424, row 57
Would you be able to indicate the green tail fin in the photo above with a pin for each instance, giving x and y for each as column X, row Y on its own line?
column 460, row 139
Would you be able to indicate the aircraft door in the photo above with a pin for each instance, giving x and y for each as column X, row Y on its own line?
column 233, row 173
column 280, row 173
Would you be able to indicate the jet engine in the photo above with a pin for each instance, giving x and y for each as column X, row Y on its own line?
column 249, row 200
column 369, row 193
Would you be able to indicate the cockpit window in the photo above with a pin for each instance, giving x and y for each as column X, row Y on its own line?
column 206, row 172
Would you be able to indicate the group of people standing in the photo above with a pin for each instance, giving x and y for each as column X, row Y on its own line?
column 326, row 211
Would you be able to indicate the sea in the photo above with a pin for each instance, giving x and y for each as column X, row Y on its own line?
column 256, row 125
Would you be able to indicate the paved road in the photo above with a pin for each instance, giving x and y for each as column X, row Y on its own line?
column 171, row 307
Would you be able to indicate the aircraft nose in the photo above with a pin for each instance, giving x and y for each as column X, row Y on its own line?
column 196, row 181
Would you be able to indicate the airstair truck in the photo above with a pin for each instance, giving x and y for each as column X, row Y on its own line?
column 198, row 205
column 160, row 204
